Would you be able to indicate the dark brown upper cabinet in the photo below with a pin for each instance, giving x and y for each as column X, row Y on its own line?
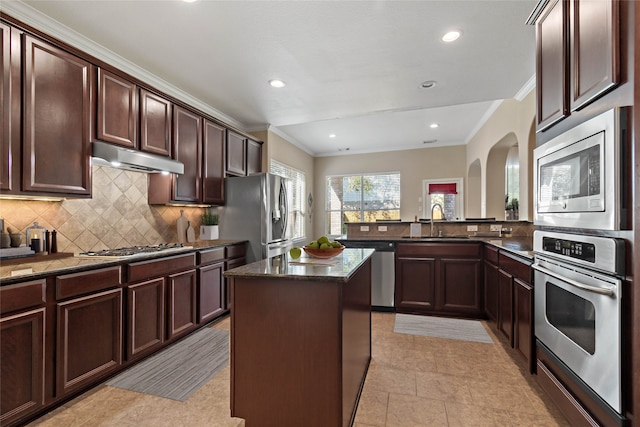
column 213, row 156
column 577, row 56
column 254, row 157
column 10, row 85
column 155, row 123
column 551, row 63
column 236, row 154
column 117, row 110
column 595, row 51
column 187, row 148
column 57, row 114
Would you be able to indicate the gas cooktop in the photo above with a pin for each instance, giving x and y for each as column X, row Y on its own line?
column 133, row 251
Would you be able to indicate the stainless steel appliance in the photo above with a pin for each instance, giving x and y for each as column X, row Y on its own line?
column 256, row 209
column 134, row 160
column 578, row 306
column 382, row 272
column 133, row 251
column 578, row 175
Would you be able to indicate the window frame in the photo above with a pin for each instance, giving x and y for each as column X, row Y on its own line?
column 362, row 209
column 426, row 199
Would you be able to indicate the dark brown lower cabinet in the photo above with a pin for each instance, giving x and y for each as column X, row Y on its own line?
column 439, row 278
column 491, row 279
column 22, row 364
column 211, row 300
column 146, row 317
column 182, row 303
column 89, row 339
column 523, row 335
column 505, row 305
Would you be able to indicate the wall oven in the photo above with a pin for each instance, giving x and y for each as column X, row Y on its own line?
column 578, row 175
column 578, row 308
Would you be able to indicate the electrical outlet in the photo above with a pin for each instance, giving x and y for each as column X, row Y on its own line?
column 364, row 228
column 495, row 227
column 472, row 228
column 382, row 228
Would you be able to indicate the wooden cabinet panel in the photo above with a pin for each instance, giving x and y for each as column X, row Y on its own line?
column 211, row 297
column 10, row 99
column 228, row 265
column 146, row 317
column 461, row 288
column 505, row 305
column 57, row 120
column 22, row 296
column 236, row 154
column 117, row 110
column 145, row 270
column 182, row 303
column 551, row 64
column 211, row 255
column 89, row 339
column 155, row 123
column 594, row 38
column 416, row 283
column 187, row 143
column 254, row 157
column 22, row 360
column 213, row 164
column 86, row 282
column 523, row 340
column 491, row 279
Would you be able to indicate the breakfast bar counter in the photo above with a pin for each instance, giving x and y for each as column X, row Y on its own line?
column 300, row 339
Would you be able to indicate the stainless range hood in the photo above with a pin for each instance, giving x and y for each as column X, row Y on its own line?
column 125, row 158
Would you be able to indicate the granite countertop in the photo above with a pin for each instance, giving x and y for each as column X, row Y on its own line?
column 339, row 268
column 519, row 245
column 39, row 266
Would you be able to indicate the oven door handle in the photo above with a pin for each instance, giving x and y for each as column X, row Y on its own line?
column 603, row 291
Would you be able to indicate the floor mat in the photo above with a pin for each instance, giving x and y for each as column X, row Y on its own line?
column 181, row 369
column 441, row 327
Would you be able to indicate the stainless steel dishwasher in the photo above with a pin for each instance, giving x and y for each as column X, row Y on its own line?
column 383, row 277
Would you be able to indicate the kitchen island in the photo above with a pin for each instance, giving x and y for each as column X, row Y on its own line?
column 300, row 339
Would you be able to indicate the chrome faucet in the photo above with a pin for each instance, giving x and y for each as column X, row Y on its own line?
column 431, row 219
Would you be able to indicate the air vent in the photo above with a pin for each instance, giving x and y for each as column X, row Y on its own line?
column 429, row 141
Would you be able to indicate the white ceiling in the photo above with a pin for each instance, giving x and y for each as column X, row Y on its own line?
column 352, row 68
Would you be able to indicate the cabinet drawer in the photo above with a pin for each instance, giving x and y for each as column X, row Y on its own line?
column 236, row 251
column 438, row 249
column 491, row 254
column 72, row 285
column 145, row 270
column 518, row 268
column 210, row 256
column 22, row 295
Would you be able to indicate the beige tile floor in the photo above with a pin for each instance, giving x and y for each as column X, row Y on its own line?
column 412, row 381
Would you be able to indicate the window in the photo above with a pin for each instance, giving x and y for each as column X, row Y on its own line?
column 512, row 183
column 446, row 196
column 361, row 198
column 296, row 190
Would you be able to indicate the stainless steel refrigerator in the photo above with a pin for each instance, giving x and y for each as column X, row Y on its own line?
column 256, row 210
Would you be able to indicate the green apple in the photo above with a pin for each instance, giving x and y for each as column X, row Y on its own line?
column 325, row 246
column 313, row 245
column 323, row 239
column 336, row 245
column 295, row 252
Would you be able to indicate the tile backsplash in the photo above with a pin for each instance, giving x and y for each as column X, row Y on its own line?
column 117, row 215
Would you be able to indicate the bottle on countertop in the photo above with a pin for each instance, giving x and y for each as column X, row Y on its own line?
column 54, row 242
column 181, row 227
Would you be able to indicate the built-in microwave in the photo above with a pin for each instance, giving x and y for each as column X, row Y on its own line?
column 579, row 178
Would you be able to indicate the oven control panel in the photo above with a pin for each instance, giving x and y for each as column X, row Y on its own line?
column 579, row 250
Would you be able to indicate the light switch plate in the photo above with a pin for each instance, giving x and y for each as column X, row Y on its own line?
column 382, row 228
column 364, row 228
column 472, row 228
column 495, row 227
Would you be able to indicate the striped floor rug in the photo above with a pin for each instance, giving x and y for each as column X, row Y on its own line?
column 441, row 327
column 181, row 369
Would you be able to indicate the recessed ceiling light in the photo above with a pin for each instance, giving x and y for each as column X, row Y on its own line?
column 451, row 36
column 434, row 125
column 333, row 135
column 428, row 84
column 189, row 1
column 277, row 83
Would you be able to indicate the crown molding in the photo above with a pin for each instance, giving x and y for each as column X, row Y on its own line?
column 289, row 139
column 524, row 90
